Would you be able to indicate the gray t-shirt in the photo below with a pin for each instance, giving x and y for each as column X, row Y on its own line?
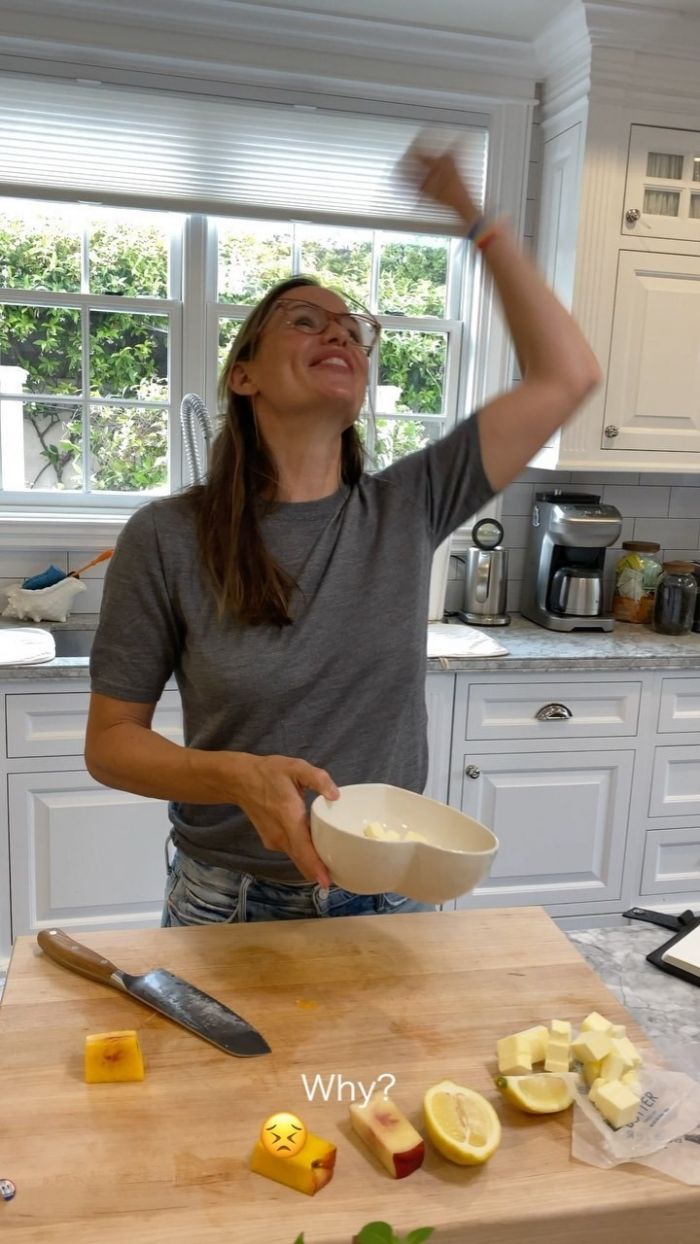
column 343, row 687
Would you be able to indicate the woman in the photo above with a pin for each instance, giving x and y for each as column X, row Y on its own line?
column 289, row 593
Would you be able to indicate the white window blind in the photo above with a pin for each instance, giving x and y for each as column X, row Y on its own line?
column 149, row 148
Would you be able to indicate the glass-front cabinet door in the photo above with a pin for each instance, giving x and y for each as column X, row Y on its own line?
column 662, row 195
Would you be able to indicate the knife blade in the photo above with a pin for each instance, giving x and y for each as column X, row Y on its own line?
column 163, row 992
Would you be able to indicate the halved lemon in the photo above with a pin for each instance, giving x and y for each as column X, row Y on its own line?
column 542, row 1093
column 462, row 1124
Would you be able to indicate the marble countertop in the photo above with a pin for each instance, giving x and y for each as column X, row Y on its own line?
column 667, row 1008
column 531, row 649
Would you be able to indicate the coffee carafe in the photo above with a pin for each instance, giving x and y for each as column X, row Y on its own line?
column 485, row 577
column 565, row 561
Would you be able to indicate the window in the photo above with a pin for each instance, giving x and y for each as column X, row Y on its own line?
column 413, row 283
column 89, row 328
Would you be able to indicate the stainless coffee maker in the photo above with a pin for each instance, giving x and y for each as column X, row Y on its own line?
column 485, row 577
column 565, row 560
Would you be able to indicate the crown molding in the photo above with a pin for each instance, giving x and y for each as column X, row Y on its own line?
column 182, row 34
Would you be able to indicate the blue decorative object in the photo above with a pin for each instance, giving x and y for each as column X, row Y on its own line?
column 47, row 578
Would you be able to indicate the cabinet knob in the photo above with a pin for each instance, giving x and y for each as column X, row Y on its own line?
column 632, row 215
column 553, row 712
column 611, row 431
column 473, row 771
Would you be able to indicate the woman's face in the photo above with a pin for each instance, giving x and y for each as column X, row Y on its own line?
column 297, row 371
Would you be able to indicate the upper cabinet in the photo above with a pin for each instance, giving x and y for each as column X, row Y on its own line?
column 662, row 194
column 619, row 241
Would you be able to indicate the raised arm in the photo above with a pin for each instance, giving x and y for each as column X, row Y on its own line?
column 559, row 369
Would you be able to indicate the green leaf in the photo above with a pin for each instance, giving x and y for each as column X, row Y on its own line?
column 419, row 1235
column 300, row 1239
column 376, row 1233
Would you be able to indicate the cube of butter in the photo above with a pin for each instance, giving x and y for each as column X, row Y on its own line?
column 618, row 1030
column 375, row 829
column 631, row 1079
column 591, row 1046
column 616, row 1102
column 595, row 1022
column 558, row 1057
column 514, row 1057
column 537, row 1038
column 591, row 1073
column 560, row 1028
column 412, row 836
column 629, row 1052
column 613, row 1066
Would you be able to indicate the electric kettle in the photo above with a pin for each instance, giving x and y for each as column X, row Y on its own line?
column 485, row 577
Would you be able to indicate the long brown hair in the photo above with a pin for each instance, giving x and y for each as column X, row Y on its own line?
column 248, row 583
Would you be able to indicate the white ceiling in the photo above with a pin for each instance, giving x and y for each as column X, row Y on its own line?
column 517, row 19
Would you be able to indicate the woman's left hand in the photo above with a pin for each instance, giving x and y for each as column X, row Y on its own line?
column 437, row 176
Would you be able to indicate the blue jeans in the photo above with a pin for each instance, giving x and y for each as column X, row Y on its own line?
column 204, row 894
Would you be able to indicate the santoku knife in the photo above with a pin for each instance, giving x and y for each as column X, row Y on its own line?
column 168, row 994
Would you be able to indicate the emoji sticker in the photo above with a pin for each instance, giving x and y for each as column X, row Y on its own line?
column 283, row 1134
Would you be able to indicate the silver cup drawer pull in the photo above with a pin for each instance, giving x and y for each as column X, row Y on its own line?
column 553, row 712
column 473, row 771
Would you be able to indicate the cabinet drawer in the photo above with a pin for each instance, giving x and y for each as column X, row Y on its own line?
column 510, row 710
column 671, row 861
column 675, row 782
column 53, row 723
column 679, row 706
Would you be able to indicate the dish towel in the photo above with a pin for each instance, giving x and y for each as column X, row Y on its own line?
column 25, row 645
column 447, row 639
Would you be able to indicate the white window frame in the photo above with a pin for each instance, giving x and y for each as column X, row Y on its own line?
column 490, row 362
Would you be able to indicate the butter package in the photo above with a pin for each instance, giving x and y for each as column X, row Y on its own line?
column 669, row 1113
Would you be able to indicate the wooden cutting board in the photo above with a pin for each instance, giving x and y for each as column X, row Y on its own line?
column 418, row 997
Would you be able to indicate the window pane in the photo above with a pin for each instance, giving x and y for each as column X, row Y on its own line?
column 661, row 202
column 39, row 247
column 128, row 449
column 228, row 329
column 45, row 343
column 40, row 445
column 129, row 355
column 661, row 164
column 394, row 438
column 413, row 275
column 341, row 258
column 253, row 256
column 696, row 169
column 695, row 206
column 411, row 372
column 129, row 254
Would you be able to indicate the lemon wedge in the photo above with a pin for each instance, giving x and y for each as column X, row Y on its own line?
column 542, row 1093
column 462, row 1125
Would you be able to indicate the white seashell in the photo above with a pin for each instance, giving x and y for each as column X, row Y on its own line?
column 46, row 603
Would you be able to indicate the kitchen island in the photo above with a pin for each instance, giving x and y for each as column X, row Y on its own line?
column 419, row 998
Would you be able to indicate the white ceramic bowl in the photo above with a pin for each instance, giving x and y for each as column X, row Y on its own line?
column 458, row 853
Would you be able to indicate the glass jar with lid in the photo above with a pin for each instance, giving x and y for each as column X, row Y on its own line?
column 636, row 575
column 676, row 594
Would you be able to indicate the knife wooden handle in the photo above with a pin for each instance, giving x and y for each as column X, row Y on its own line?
column 62, row 949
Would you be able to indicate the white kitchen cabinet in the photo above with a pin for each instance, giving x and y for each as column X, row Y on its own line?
column 439, row 701
column 671, row 862
column 633, row 209
column 662, row 191
column 551, row 709
column 560, row 819
column 653, row 388
column 53, row 723
column 83, row 856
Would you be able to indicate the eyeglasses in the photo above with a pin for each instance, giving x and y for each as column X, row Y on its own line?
column 308, row 317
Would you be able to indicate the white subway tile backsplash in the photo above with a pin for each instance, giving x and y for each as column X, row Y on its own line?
column 679, row 532
column 518, row 499
column 639, row 500
column 680, row 555
column 516, row 563
column 77, row 560
column 607, row 477
column 18, row 565
column 516, row 529
column 685, row 503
